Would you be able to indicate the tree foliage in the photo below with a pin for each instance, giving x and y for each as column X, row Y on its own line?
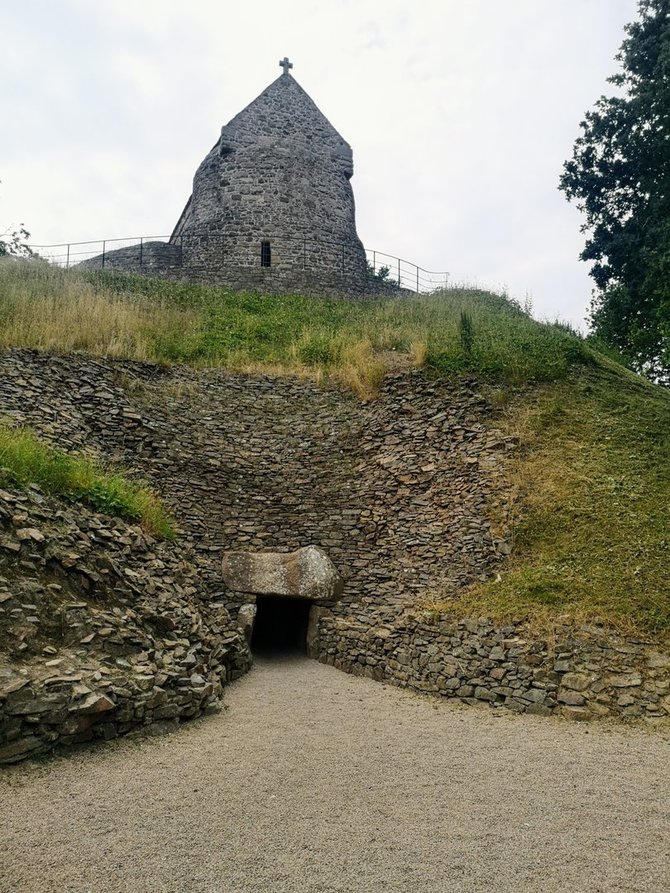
column 381, row 274
column 619, row 176
column 14, row 242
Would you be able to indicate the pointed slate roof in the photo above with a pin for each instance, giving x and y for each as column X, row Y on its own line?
column 282, row 121
column 282, row 112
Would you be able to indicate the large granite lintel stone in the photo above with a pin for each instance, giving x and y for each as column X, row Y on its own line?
column 305, row 573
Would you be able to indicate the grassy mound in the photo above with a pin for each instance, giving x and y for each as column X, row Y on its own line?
column 592, row 532
column 592, row 523
column 25, row 460
column 455, row 330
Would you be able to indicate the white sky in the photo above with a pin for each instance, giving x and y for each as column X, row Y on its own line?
column 460, row 114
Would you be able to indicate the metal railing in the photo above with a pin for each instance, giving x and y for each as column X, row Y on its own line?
column 70, row 254
column 403, row 273
column 142, row 253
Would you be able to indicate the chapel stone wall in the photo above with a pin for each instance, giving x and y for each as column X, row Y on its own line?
column 280, row 173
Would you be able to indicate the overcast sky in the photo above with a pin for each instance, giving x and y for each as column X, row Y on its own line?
column 460, row 114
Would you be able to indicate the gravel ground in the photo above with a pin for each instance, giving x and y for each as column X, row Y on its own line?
column 317, row 782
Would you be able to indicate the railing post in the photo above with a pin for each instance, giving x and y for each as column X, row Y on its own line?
column 417, row 280
column 374, row 261
column 103, row 254
column 67, row 261
column 141, row 248
column 398, row 273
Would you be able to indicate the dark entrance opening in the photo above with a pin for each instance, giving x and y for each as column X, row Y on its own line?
column 281, row 625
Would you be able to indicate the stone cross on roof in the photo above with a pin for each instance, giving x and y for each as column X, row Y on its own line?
column 285, row 64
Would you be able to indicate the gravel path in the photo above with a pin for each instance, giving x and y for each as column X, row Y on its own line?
column 317, row 782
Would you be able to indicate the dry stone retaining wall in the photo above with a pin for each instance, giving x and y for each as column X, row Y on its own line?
column 579, row 674
column 398, row 492
column 102, row 629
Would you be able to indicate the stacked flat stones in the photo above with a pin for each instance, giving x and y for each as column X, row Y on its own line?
column 103, row 630
column 399, row 493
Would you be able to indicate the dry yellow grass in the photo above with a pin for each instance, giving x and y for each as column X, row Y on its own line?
column 75, row 316
column 360, row 369
column 113, row 314
column 418, row 350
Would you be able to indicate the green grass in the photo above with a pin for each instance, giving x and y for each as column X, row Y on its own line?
column 591, row 524
column 592, row 534
column 25, row 460
column 353, row 342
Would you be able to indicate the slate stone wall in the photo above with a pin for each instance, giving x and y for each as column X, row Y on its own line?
column 401, row 493
column 103, row 630
column 580, row 673
column 299, row 266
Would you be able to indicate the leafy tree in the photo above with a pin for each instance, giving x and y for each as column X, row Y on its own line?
column 619, row 176
column 13, row 241
column 381, row 274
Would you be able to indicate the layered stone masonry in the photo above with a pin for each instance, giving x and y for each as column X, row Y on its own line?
column 395, row 491
column 580, row 674
column 281, row 173
column 103, row 630
column 399, row 492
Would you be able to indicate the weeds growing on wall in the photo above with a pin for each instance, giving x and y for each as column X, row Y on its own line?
column 454, row 331
column 26, row 460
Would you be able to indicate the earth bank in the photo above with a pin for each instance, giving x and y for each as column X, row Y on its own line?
column 105, row 630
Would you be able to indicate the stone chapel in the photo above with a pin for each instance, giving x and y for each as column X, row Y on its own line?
column 272, row 208
column 272, row 203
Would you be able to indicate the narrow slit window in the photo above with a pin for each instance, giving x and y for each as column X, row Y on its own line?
column 266, row 254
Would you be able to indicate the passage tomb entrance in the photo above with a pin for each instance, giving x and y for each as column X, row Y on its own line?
column 281, row 594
